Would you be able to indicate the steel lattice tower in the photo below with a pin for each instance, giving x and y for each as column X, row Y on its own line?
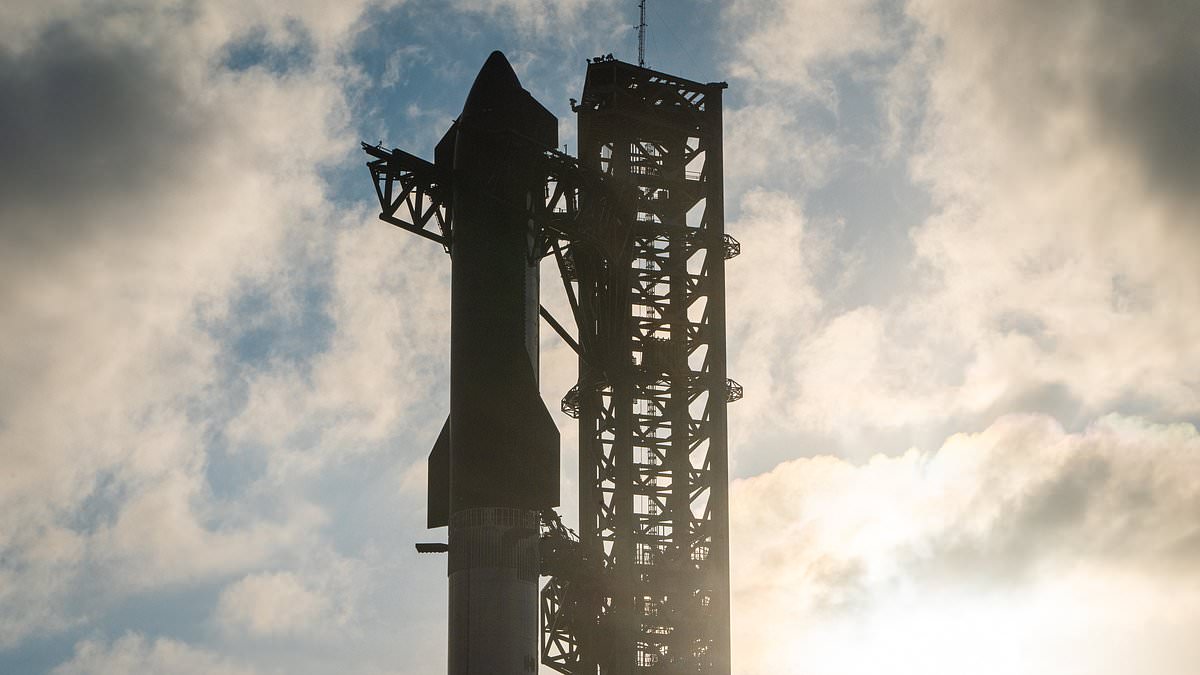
column 653, row 456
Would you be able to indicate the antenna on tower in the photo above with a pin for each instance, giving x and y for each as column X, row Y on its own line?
column 642, row 34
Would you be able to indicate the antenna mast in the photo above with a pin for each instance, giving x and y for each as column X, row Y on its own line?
column 642, row 34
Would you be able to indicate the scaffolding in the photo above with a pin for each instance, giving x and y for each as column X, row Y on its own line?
column 647, row 586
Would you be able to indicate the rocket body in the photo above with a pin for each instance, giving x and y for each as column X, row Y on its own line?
column 496, row 461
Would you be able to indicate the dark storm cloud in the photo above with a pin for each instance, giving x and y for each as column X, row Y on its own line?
column 1158, row 113
column 1148, row 96
column 85, row 122
column 1136, row 65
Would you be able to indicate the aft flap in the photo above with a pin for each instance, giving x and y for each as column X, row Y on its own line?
column 438, row 506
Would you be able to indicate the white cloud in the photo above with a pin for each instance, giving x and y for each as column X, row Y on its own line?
column 134, row 653
column 273, row 604
column 1046, row 214
column 160, row 537
column 766, row 141
column 1051, row 271
column 1019, row 549
column 396, row 69
column 1053, row 275
column 793, row 43
column 770, row 292
column 534, row 17
column 391, row 328
column 150, row 188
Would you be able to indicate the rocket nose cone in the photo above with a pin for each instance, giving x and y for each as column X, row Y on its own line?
column 498, row 69
column 495, row 82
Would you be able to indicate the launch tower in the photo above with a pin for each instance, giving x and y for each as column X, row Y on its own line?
column 649, row 592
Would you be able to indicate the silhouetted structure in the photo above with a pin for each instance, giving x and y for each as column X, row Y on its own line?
column 650, row 590
column 636, row 228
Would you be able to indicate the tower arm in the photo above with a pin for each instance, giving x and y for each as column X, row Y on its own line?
column 413, row 194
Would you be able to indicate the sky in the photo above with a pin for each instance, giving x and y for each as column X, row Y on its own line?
column 964, row 317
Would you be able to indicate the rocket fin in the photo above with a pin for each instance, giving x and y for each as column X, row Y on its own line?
column 438, row 506
column 532, row 454
column 505, row 451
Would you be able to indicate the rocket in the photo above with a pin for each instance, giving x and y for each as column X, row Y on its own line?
column 495, row 464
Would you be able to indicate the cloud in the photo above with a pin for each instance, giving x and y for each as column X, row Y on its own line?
column 767, row 144
column 1120, row 73
column 1004, row 545
column 795, row 44
column 149, row 189
column 385, row 353
column 771, row 290
column 159, row 537
column 134, row 653
column 542, row 17
column 273, row 604
column 1050, row 266
column 1020, row 150
column 96, row 121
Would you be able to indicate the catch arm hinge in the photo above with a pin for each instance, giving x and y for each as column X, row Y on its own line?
column 413, row 194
